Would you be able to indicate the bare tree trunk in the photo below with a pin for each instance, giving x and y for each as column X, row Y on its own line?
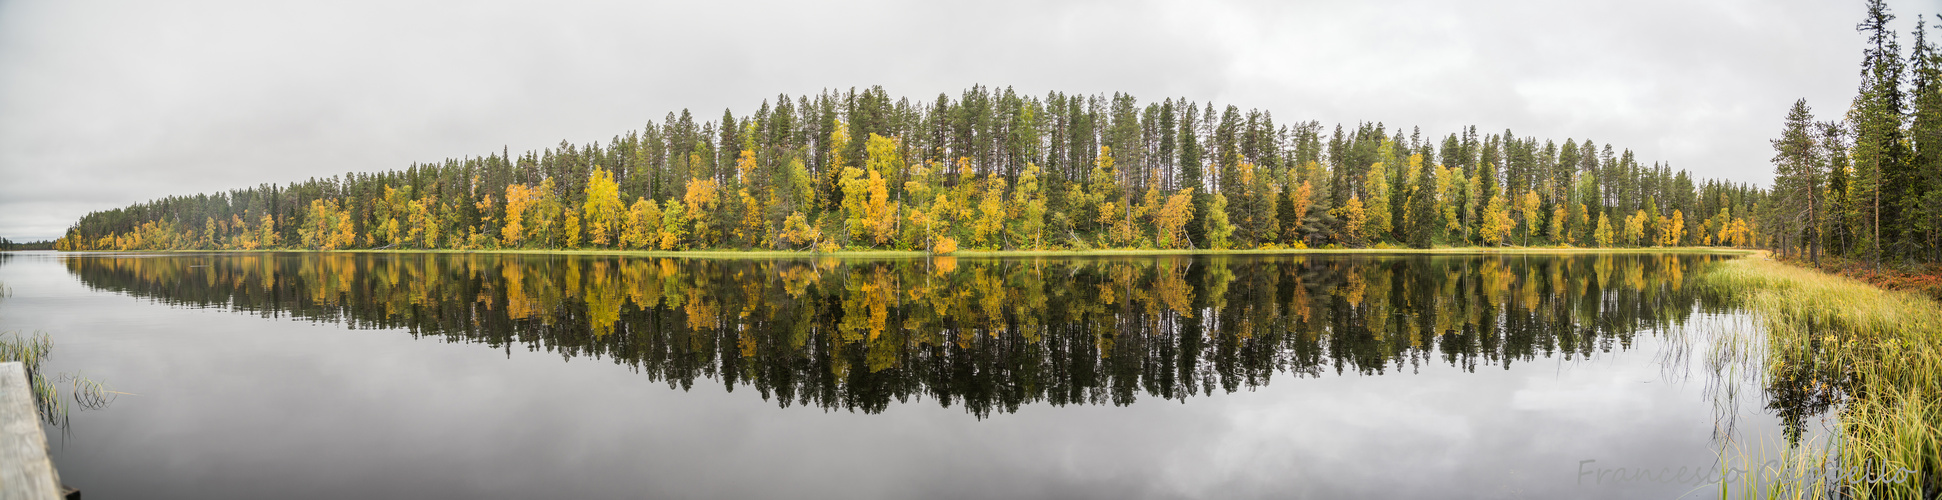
column 1814, row 226
column 1876, row 247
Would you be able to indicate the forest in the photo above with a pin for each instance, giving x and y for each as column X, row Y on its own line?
column 989, row 169
column 7, row 244
column 1879, row 198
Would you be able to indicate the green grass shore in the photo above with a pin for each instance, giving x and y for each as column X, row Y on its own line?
column 1878, row 355
column 772, row 254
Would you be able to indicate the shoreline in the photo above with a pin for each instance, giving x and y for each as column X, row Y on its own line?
column 986, row 253
column 1876, row 352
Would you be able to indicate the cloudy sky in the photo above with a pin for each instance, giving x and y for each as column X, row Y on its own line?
column 107, row 103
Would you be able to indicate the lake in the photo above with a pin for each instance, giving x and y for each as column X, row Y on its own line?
column 404, row 375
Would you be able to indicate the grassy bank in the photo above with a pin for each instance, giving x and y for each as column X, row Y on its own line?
column 1923, row 278
column 1876, row 354
column 771, row 254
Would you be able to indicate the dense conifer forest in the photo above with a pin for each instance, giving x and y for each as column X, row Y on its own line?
column 988, row 169
column 1867, row 186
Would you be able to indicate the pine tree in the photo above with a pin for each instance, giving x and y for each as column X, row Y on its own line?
column 1839, row 221
column 1284, row 211
column 1473, row 207
column 1425, row 223
column 1797, row 182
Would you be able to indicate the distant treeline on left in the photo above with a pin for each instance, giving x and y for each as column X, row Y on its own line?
column 7, row 244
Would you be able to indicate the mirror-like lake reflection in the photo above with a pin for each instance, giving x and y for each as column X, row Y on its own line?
column 989, row 335
column 1145, row 376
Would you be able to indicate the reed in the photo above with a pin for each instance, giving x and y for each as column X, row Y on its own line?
column 1877, row 354
column 31, row 351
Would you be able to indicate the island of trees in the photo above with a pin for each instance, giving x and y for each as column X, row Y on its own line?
column 994, row 169
column 990, row 169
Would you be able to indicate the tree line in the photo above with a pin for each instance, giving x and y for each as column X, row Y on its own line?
column 1867, row 186
column 7, row 244
column 989, row 169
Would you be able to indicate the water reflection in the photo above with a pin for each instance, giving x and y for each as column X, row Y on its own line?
column 986, row 334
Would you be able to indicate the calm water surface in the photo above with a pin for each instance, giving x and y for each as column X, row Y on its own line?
column 529, row 376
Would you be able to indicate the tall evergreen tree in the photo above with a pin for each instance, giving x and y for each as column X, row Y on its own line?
column 1880, row 154
column 1424, row 220
column 1838, row 222
column 1923, row 196
column 1797, row 181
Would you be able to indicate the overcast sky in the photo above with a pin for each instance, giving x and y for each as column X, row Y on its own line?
column 103, row 104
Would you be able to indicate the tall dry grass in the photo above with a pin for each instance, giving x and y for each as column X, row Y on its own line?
column 1876, row 354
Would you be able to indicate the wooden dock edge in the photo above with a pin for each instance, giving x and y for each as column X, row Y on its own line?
column 26, row 471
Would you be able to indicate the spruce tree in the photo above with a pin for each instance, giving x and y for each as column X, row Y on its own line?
column 1880, row 155
column 1425, row 221
column 1923, row 196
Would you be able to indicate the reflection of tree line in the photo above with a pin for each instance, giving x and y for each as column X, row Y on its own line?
column 988, row 334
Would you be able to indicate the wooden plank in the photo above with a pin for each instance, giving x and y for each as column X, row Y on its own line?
column 26, row 472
